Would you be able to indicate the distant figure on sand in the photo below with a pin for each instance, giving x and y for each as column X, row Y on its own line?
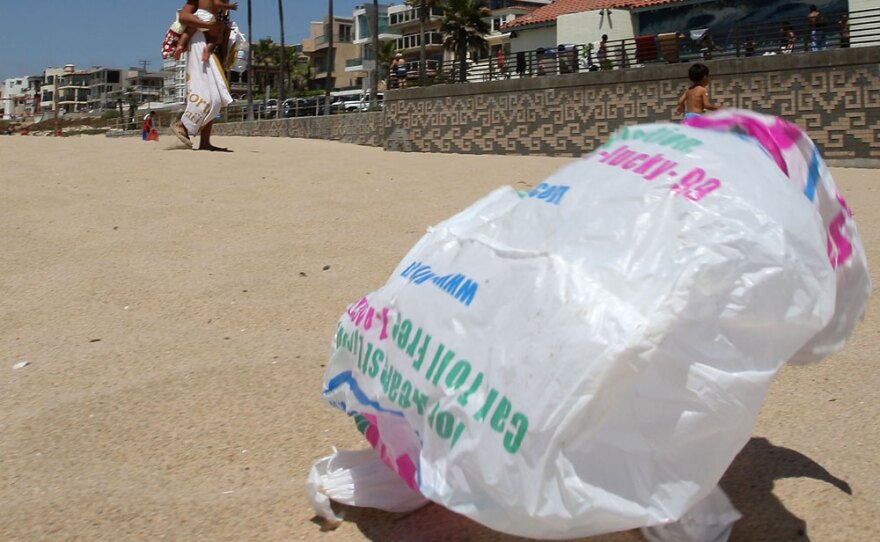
column 206, row 7
column 206, row 86
column 148, row 125
column 695, row 100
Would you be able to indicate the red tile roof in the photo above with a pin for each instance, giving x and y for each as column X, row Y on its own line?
column 553, row 10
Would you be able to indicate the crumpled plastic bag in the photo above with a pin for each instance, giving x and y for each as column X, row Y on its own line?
column 590, row 357
column 358, row 478
column 238, row 47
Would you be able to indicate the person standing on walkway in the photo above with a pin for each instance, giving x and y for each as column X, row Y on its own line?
column 816, row 22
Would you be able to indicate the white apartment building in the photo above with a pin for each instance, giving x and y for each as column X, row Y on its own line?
column 175, row 80
column 364, row 64
column 21, row 97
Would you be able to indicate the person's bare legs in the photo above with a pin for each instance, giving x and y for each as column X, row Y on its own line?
column 205, row 140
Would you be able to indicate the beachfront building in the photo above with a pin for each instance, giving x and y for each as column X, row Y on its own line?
column 315, row 47
column 97, row 89
column 12, row 93
column 403, row 20
column 105, row 85
column 174, row 80
column 73, row 91
column 363, row 65
column 502, row 12
column 492, row 61
column 144, row 86
column 65, row 89
column 682, row 23
column 21, row 97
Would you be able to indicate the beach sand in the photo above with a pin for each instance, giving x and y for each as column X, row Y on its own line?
column 176, row 309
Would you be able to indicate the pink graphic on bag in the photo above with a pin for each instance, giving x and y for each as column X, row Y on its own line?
column 403, row 465
column 775, row 136
column 798, row 158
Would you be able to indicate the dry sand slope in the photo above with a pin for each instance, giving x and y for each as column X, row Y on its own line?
column 177, row 307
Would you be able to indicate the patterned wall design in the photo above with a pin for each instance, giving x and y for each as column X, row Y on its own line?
column 835, row 95
column 360, row 129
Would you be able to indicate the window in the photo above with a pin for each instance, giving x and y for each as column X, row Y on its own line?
column 345, row 33
column 113, row 76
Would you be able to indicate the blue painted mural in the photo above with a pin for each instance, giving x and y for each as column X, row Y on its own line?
column 732, row 23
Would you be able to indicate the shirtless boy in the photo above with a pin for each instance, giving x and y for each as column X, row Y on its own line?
column 695, row 100
column 212, row 7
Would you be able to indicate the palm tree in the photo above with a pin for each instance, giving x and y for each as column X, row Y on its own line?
column 250, row 89
column 464, row 30
column 131, row 98
column 424, row 7
column 374, row 30
column 387, row 51
column 328, row 83
column 300, row 72
column 264, row 56
column 281, row 59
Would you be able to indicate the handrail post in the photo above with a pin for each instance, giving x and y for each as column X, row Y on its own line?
column 736, row 39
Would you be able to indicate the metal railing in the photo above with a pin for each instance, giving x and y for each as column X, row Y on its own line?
column 859, row 28
column 337, row 38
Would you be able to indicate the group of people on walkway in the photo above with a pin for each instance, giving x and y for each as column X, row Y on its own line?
column 817, row 28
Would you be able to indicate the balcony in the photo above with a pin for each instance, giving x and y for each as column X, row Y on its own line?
column 410, row 16
column 362, row 64
column 365, row 33
column 411, row 42
column 324, row 40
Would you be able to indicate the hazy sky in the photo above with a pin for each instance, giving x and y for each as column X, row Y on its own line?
column 35, row 34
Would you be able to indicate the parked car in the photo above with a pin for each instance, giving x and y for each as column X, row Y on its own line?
column 308, row 106
column 363, row 103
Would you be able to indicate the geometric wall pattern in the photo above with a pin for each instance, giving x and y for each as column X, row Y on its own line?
column 833, row 95
column 359, row 129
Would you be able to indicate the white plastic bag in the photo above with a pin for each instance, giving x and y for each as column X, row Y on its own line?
column 710, row 520
column 238, row 49
column 358, row 478
column 590, row 358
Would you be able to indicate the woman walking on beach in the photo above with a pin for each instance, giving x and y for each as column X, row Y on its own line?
column 206, row 87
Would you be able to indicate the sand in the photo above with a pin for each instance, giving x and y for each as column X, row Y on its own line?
column 176, row 310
